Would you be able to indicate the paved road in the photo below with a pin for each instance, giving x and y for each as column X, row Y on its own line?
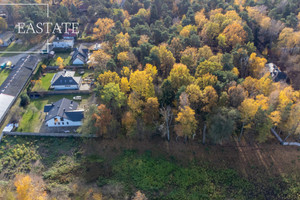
column 19, row 75
column 15, row 82
column 14, row 58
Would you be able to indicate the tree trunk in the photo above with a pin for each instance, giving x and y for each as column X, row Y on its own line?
column 241, row 131
column 204, row 132
column 168, row 132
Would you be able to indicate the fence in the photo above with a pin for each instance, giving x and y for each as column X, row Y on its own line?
column 48, row 134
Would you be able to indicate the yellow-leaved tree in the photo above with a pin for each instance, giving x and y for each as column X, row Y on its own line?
column 256, row 65
column 102, row 27
column 186, row 123
column 27, row 189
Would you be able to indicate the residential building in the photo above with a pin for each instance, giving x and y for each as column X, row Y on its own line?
column 6, row 38
column 65, row 80
column 276, row 73
column 63, row 113
column 79, row 56
column 63, row 43
column 70, row 35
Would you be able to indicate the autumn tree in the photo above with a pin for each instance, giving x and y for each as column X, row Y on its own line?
column 200, row 19
column 194, row 94
column 165, row 57
column 103, row 119
column 189, row 57
column 139, row 196
column 102, row 27
column 256, row 65
column 88, row 124
column 124, row 85
column 136, row 104
column 122, row 41
column 186, row 123
column 237, row 94
column 207, row 67
column 249, row 108
column 206, row 80
column 210, row 32
column 151, row 70
column 176, row 47
column 209, row 98
column 234, row 34
column 151, row 112
column 129, row 123
column 28, row 189
column 205, row 52
column 142, row 83
column 60, row 63
column 180, row 76
column 99, row 60
column 108, row 77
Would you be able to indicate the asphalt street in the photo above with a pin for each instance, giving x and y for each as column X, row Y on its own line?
column 15, row 82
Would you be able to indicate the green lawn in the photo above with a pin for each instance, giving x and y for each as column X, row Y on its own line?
column 15, row 47
column 87, row 72
column 65, row 56
column 44, row 83
column 3, row 75
column 33, row 116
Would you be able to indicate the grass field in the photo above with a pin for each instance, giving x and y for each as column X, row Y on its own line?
column 44, row 83
column 87, row 72
column 62, row 161
column 65, row 56
column 33, row 116
column 3, row 75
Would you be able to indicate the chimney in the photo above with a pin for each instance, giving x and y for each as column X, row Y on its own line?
column 71, row 102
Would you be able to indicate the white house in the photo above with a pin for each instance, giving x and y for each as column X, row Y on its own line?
column 276, row 73
column 79, row 56
column 63, row 113
column 65, row 80
column 63, row 43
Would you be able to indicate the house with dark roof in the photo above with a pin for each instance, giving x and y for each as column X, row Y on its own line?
column 6, row 38
column 65, row 80
column 79, row 56
column 63, row 113
column 276, row 73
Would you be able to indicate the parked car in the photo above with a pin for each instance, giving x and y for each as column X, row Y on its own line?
column 78, row 98
column 3, row 65
column 9, row 64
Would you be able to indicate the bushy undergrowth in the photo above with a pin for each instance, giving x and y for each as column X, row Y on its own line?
column 17, row 158
column 162, row 179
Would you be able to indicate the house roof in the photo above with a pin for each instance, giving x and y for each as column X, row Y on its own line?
column 64, row 108
column 6, row 36
column 80, row 53
column 69, row 33
column 65, row 77
column 276, row 73
column 57, row 40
